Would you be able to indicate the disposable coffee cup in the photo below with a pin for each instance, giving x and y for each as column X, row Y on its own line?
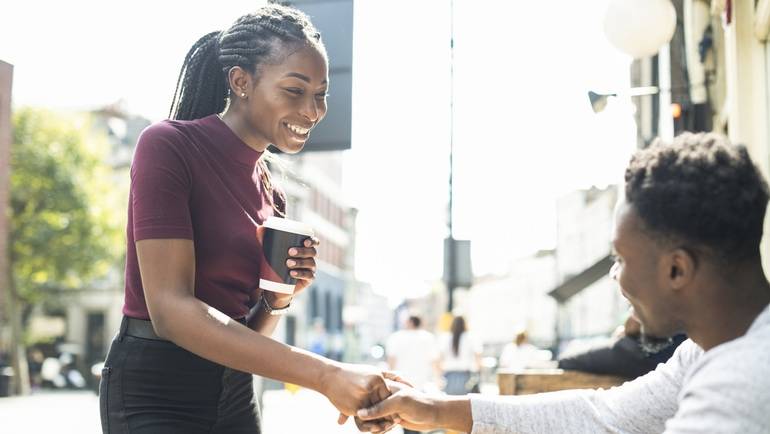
column 278, row 236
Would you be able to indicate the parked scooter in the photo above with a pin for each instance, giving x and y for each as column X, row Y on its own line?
column 60, row 373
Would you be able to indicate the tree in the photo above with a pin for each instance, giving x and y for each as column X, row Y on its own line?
column 65, row 228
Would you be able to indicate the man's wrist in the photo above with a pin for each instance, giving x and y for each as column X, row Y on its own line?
column 453, row 412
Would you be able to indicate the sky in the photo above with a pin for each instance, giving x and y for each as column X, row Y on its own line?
column 523, row 132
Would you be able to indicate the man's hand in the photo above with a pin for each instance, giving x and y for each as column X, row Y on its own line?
column 418, row 411
column 406, row 406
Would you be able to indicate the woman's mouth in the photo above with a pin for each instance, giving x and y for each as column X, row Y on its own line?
column 298, row 131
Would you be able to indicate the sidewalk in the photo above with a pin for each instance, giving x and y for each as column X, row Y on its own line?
column 60, row 412
column 303, row 412
column 77, row 412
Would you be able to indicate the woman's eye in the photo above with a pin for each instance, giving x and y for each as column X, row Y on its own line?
column 321, row 96
column 294, row 90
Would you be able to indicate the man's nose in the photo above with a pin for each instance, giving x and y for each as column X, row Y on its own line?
column 614, row 270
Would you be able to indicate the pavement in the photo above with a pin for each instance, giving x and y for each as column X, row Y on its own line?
column 60, row 412
column 77, row 412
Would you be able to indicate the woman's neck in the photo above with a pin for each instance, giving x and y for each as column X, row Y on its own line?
column 241, row 128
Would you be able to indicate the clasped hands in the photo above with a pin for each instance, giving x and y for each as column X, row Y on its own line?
column 378, row 400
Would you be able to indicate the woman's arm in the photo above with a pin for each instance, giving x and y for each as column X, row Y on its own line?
column 168, row 275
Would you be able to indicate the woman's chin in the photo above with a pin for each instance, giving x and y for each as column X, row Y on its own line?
column 290, row 148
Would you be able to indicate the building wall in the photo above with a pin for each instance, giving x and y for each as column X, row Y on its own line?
column 499, row 307
column 312, row 182
column 584, row 220
column 746, row 69
column 584, row 226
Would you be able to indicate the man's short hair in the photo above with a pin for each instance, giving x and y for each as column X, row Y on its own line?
column 700, row 189
column 415, row 321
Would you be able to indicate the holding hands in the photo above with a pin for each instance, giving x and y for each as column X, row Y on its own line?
column 416, row 411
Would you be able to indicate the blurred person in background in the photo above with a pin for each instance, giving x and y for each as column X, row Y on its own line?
column 519, row 354
column 628, row 354
column 460, row 359
column 413, row 353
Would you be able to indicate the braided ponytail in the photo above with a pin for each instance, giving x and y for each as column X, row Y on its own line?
column 201, row 89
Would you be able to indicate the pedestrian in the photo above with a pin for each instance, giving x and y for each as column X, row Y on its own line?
column 196, row 326
column 519, row 353
column 412, row 352
column 460, row 359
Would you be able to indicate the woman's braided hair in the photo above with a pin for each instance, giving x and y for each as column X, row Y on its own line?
column 263, row 37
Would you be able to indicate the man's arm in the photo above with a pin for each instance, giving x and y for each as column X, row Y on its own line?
column 638, row 406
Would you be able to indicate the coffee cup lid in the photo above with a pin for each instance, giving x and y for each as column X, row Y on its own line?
column 286, row 225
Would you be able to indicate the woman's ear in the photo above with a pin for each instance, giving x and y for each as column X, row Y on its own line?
column 239, row 80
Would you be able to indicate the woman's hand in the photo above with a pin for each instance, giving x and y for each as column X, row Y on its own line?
column 351, row 387
column 301, row 262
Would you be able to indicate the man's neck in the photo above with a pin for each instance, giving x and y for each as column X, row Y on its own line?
column 728, row 310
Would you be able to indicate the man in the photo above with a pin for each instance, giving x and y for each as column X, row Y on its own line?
column 686, row 239
column 413, row 353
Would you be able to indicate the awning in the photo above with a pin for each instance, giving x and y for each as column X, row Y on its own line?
column 580, row 281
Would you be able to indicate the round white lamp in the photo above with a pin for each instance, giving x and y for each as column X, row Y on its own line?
column 639, row 27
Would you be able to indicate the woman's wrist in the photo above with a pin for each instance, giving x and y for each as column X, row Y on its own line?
column 277, row 301
column 328, row 372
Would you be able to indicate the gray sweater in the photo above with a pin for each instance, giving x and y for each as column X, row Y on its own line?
column 723, row 390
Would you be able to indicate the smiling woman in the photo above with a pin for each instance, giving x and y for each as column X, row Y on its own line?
column 196, row 324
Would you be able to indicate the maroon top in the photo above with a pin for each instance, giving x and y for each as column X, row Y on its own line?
column 197, row 180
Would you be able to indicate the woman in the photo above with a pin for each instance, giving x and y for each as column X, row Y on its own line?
column 460, row 360
column 196, row 326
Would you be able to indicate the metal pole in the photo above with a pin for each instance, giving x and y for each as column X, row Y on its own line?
column 665, row 117
column 451, row 274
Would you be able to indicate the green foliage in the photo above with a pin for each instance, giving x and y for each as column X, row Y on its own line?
column 66, row 210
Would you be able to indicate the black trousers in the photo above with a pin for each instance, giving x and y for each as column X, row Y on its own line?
column 154, row 386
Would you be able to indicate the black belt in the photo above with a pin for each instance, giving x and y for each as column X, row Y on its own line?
column 142, row 328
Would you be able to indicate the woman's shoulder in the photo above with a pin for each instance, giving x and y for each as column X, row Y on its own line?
column 166, row 129
column 166, row 135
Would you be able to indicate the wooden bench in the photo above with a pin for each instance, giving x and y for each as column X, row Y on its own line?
column 529, row 381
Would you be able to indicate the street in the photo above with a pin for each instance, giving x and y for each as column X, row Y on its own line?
column 77, row 412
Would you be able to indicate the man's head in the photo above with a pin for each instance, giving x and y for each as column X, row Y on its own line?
column 413, row 322
column 692, row 208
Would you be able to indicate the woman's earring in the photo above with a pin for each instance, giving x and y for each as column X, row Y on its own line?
column 243, row 95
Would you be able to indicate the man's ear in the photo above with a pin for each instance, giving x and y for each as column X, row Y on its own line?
column 682, row 267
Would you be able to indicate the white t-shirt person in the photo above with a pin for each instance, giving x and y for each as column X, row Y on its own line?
column 413, row 353
column 468, row 352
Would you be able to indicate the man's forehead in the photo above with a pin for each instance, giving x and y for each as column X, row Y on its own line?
column 625, row 221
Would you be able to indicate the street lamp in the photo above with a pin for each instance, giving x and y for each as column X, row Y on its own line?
column 599, row 100
column 639, row 27
column 642, row 28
